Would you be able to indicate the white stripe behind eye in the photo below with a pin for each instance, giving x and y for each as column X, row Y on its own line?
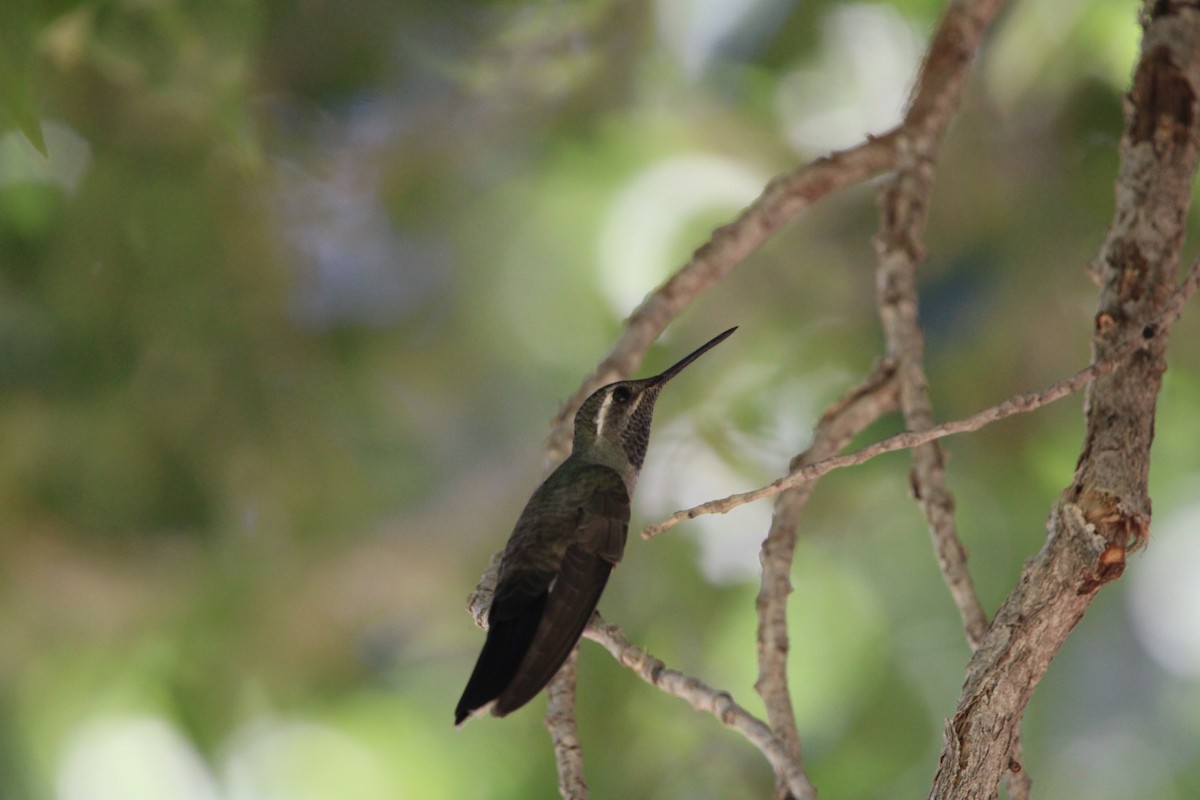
column 600, row 416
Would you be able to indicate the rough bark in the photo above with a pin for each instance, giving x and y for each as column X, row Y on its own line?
column 1106, row 509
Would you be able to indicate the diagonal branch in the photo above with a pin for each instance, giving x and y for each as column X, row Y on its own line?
column 935, row 97
column 1017, row 404
column 844, row 420
column 784, row 198
column 807, row 473
column 938, row 91
column 703, row 697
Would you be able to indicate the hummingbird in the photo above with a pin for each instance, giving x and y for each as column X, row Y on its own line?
column 564, row 546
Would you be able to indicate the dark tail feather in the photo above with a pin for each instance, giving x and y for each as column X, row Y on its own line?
column 567, row 612
column 507, row 641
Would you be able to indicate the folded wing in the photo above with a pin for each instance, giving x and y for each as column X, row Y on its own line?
column 599, row 542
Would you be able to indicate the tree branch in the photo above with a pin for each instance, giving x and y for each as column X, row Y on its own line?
column 1018, row 404
column 936, row 98
column 1106, row 509
column 784, row 198
column 844, row 420
column 904, row 203
column 703, row 697
column 938, row 91
column 564, row 733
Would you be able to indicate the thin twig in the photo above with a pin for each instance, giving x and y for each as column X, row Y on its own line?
column 1018, row 404
column 840, row 423
column 904, row 204
column 1179, row 300
column 1016, row 779
column 938, row 91
column 703, row 697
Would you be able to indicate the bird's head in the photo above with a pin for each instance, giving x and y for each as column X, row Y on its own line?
column 613, row 425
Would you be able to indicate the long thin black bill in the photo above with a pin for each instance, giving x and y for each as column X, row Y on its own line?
column 671, row 372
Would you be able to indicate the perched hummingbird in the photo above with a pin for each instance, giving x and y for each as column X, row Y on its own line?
column 566, row 542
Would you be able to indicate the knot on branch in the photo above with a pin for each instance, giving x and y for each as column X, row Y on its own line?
column 1112, row 519
column 1102, row 534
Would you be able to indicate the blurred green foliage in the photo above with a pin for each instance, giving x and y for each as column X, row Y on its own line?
column 288, row 292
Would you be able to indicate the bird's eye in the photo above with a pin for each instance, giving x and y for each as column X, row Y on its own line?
column 622, row 394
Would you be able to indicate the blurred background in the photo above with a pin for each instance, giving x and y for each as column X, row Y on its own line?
column 287, row 308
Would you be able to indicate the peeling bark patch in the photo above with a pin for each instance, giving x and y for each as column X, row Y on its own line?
column 1163, row 99
column 1121, row 529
